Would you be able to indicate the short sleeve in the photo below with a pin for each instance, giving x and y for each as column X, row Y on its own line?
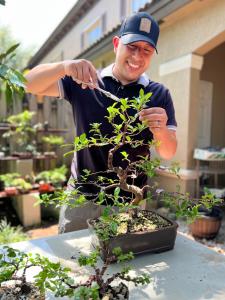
column 169, row 107
column 68, row 88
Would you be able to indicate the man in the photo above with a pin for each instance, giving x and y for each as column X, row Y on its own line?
column 134, row 49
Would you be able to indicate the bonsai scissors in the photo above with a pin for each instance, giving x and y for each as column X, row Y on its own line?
column 106, row 93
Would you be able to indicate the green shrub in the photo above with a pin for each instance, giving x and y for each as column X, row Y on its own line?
column 10, row 234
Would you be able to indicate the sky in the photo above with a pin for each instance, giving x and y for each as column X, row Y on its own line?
column 32, row 21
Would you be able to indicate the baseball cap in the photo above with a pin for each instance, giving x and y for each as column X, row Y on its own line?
column 140, row 27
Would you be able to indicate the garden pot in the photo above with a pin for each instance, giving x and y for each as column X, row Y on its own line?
column 207, row 225
column 154, row 241
column 11, row 191
column 44, row 187
column 23, row 155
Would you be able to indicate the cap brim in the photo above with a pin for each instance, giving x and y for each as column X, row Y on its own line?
column 131, row 38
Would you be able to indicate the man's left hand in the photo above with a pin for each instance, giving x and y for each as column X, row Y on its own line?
column 155, row 117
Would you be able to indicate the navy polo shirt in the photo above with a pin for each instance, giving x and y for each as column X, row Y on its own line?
column 90, row 106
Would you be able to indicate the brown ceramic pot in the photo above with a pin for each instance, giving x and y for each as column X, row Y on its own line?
column 207, row 225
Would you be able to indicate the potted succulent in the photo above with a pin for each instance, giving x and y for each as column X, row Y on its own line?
column 119, row 193
column 60, row 281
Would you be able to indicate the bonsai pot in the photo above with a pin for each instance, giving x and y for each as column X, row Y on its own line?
column 153, row 241
column 207, row 225
column 11, row 191
column 23, row 155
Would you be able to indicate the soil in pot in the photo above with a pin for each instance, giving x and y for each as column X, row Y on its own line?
column 139, row 232
column 27, row 291
column 119, row 292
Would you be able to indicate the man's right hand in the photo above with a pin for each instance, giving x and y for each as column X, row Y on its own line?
column 81, row 70
column 43, row 79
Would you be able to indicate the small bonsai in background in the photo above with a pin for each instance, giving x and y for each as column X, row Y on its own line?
column 52, row 142
column 51, row 276
column 24, row 133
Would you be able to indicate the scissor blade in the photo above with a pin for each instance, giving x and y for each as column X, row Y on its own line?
column 106, row 93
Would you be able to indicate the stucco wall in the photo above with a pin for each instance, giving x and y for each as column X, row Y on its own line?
column 183, row 34
column 214, row 71
column 71, row 43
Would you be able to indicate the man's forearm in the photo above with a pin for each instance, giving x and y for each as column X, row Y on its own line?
column 41, row 77
column 167, row 143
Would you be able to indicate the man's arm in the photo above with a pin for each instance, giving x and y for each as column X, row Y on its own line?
column 43, row 79
column 156, row 118
column 167, row 143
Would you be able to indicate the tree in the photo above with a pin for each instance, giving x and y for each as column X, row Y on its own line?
column 12, row 61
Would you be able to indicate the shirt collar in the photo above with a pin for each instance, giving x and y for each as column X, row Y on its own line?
column 107, row 72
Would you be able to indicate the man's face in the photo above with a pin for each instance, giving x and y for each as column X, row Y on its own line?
column 132, row 60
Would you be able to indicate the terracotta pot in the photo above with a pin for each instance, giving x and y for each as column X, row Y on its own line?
column 11, row 191
column 207, row 225
column 44, row 187
column 155, row 241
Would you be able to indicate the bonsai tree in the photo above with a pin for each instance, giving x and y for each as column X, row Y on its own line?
column 59, row 280
column 120, row 190
column 52, row 141
column 23, row 131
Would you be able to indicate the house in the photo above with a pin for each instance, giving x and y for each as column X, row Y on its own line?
column 190, row 63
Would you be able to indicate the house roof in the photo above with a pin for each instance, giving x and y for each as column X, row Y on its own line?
column 159, row 9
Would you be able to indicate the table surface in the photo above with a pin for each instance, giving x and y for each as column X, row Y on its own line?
column 191, row 271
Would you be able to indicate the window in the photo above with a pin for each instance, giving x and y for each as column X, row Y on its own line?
column 137, row 4
column 93, row 32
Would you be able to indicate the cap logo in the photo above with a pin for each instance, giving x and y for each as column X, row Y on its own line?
column 145, row 25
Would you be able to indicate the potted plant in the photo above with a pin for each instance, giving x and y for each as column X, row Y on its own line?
column 8, row 180
column 52, row 141
column 209, row 221
column 24, row 133
column 120, row 194
column 14, row 183
column 51, row 178
column 60, row 281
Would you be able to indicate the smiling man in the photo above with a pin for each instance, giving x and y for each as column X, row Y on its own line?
column 134, row 49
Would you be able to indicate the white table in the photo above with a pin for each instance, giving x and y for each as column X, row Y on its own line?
column 190, row 271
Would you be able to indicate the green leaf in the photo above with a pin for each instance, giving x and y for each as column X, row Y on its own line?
column 125, row 154
column 11, row 49
column 3, row 70
column 2, row 2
